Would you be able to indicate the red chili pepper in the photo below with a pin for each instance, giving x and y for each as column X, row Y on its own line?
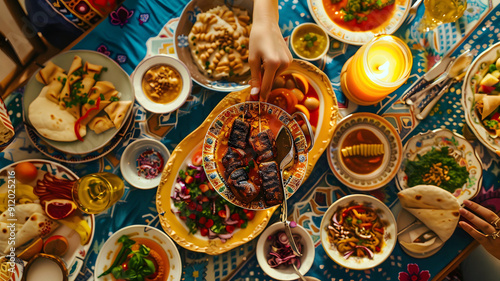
column 366, row 225
column 77, row 123
column 379, row 230
column 357, row 207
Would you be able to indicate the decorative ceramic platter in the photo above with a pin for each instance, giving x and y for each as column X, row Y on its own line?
column 178, row 160
column 320, row 15
column 114, row 74
column 392, row 156
column 471, row 115
column 61, row 156
column 217, row 133
column 76, row 253
column 459, row 148
column 110, row 249
column 386, row 216
column 186, row 22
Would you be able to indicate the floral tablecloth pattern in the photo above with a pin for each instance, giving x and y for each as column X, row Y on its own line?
column 141, row 28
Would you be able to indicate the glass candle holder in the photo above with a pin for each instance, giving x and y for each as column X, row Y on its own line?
column 377, row 69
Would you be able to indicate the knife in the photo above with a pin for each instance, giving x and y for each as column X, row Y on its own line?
column 427, row 78
column 424, row 237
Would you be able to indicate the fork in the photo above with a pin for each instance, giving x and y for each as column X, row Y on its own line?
column 413, row 11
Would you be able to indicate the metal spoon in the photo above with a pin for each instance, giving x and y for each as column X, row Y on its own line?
column 301, row 277
column 284, row 143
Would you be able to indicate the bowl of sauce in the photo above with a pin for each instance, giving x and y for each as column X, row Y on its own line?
column 309, row 41
column 365, row 152
column 162, row 83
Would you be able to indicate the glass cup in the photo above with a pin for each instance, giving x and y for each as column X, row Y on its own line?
column 377, row 69
column 94, row 193
column 438, row 12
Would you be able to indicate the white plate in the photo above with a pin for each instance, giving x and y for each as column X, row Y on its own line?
column 461, row 149
column 114, row 74
column 282, row 273
column 128, row 162
column 340, row 33
column 75, row 256
column 405, row 218
column 385, row 215
column 144, row 66
column 111, row 247
column 471, row 116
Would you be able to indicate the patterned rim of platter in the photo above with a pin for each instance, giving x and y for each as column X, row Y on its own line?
column 390, row 140
column 173, row 225
column 216, row 135
column 342, row 34
column 49, row 151
column 390, row 233
column 114, row 74
column 111, row 247
column 75, row 256
column 471, row 116
column 186, row 22
column 462, row 150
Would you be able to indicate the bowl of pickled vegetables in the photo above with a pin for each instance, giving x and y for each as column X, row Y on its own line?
column 309, row 41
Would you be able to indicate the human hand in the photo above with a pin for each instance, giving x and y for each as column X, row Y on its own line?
column 486, row 221
column 268, row 53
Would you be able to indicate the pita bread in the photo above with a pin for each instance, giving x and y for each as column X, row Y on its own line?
column 51, row 121
column 434, row 207
column 117, row 111
column 38, row 225
column 100, row 124
column 23, row 212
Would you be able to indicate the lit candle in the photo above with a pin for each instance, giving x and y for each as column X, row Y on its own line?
column 377, row 69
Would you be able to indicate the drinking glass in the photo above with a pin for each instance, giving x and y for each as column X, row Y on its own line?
column 441, row 11
column 94, row 193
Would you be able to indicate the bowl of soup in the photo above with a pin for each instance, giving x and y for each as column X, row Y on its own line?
column 162, row 83
column 309, row 41
column 365, row 152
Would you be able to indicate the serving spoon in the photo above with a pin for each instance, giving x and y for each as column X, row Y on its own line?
column 285, row 154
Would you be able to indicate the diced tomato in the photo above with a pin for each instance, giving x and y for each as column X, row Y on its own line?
column 189, row 179
column 192, row 206
column 197, row 158
column 204, row 187
column 204, row 231
column 209, row 223
column 235, row 216
column 222, row 213
column 250, row 215
column 187, row 191
column 192, row 216
column 182, row 218
column 199, row 208
column 230, row 228
column 487, row 89
column 240, row 222
column 377, row 249
column 496, row 116
column 202, row 220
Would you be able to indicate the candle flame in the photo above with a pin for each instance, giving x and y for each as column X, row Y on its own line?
column 382, row 71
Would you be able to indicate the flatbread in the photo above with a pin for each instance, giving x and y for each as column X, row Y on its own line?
column 47, row 74
column 51, row 121
column 38, row 225
column 100, row 124
column 23, row 212
column 117, row 112
column 434, row 207
column 487, row 104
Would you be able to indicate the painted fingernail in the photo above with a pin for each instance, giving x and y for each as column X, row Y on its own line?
column 254, row 91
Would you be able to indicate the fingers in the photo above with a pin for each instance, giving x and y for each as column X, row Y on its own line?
column 488, row 215
column 484, row 226
column 473, row 232
column 270, row 69
column 255, row 69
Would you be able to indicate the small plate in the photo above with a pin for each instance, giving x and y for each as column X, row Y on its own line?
column 114, row 74
column 392, row 156
column 282, row 273
column 319, row 13
column 313, row 27
column 150, row 62
column 471, row 116
column 385, row 214
column 76, row 252
column 110, row 249
column 405, row 218
column 129, row 165
column 461, row 149
column 186, row 22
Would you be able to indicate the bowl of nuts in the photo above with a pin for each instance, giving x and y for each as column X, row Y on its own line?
column 162, row 83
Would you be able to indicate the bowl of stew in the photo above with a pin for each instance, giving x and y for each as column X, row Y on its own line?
column 365, row 152
column 309, row 41
column 162, row 83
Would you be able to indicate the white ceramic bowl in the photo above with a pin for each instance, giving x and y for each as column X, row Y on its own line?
column 148, row 63
column 128, row 162
column 317, row 29
column 110, row 249
column 389, row 233
column 281, row 273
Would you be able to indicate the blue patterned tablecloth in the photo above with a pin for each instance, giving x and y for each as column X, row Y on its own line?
column 124, row 38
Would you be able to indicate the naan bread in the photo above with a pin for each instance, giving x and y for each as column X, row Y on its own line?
column 100, row 124
column 117, row 111
column 51, row 121
column 23, row 212
column 47, row 74
column 219, row 42
column 434, row 207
